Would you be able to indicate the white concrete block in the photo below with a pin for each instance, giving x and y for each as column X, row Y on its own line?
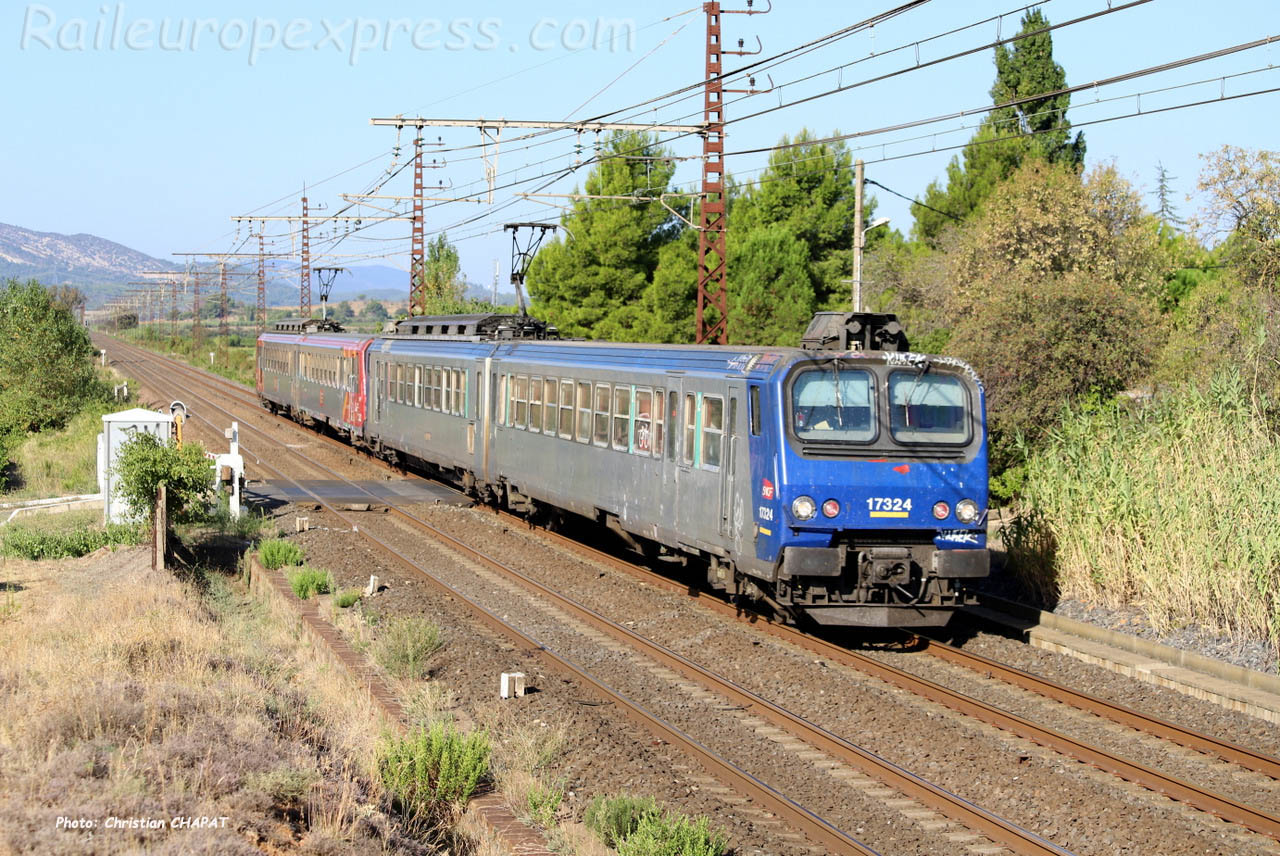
column 372, row 588
column 512, row 684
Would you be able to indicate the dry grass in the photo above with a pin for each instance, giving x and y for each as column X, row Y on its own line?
column 124, row 695
column 1171, row 508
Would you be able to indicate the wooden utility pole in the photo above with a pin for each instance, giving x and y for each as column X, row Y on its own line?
column 858, row 236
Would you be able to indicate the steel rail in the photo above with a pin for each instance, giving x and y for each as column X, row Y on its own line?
column 812, row 825
column 1152, row 779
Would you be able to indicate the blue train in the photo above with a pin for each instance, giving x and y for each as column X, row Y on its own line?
column 845, row 480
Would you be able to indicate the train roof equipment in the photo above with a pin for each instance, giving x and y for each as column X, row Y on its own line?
column 854, row 331
column 308, row 325
column 474, row 328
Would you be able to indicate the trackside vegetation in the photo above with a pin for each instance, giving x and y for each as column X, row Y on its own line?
column 433, row 771
column 276, row 553
column 1171, row 506
column 636, row 826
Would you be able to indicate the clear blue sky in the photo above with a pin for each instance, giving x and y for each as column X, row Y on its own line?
column 110, row 132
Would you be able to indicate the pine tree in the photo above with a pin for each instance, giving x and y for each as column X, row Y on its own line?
column 1009, row 135
column 592, row 282
column 1167, row 214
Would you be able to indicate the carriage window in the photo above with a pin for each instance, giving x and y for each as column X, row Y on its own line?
column 690, row 428
column 459, row 391
column 551, row 395
column 435, row 388
column 712, row 430
column 600, row 436
column 927, row 408
column 584, row 412
column 642, row 430
column 621, row 417
column 673, row 402
column 417, row 386
column 535, row 404
column 400, row 382
column 833, row 405
column 566, row 409
column 520, row 395
column 658, row 423
column 447, row 392
column 500, row 402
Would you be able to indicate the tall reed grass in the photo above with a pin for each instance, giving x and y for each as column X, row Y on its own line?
column 1171, row 506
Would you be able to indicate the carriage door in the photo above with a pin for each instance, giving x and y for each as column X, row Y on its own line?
column 379, row 389
column 674, row 470
column 730, row 505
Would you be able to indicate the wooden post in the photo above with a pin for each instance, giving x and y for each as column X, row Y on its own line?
column 159, row 530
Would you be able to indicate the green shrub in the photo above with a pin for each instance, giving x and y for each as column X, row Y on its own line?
column 308, row 581
column 28, row 542
column 145, row 463
column 614, row 818
column 347, row 598
column 405, row 644
column 432, row 769
column 673, row 834
column 276, row 553
column 543, row 802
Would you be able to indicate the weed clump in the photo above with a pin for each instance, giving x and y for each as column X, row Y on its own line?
column 347, row 598
column 635, row 826
column 277, row 553
column 433, row 770
column 308, row 581
column 405, row 645
column 28, row 542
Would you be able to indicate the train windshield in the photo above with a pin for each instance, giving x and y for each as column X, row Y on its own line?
column 927, row 408
column 834, row 405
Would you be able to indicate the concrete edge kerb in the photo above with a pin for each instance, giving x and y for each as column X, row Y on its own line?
column 1135, row 645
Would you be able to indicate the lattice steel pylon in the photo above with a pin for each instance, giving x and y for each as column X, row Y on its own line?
column 262, row 284
column 712, row 286
column 304, row 287
column 197, row 329
column 713, row 224
column 224, row 332
column 417, row 243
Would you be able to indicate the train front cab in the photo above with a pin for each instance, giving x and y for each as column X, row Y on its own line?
column 875, row 514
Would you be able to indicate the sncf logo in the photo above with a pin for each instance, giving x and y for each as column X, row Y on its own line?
column 766, row 490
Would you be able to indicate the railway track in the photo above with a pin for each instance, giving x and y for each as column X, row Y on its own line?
column 999, row 830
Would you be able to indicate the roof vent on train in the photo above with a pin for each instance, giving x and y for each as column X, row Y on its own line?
column 474, row 327
column 854, row 331
column 308, row 325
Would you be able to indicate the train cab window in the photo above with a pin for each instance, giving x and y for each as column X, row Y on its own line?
column 551, row 395
column 690, row 429
column 754, row 415
column 622, row 418
column 642, row 429
column 520, row 398
column 832, row 404
column 600, row 435
column 927, row 408
column 566, row 409
column 535, row 404
column 712, row 430
column 584, row 412
column 459, row 391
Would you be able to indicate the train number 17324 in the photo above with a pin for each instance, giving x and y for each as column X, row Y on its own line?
column 888, row 506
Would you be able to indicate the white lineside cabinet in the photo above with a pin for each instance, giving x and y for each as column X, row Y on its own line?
column 118, row 429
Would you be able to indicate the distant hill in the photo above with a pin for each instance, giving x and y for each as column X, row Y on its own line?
column 83, row 260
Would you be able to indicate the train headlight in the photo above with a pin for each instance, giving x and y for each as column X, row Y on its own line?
column 804, row 508
column 941, row 510
column 830, row 508
column 966, row 511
